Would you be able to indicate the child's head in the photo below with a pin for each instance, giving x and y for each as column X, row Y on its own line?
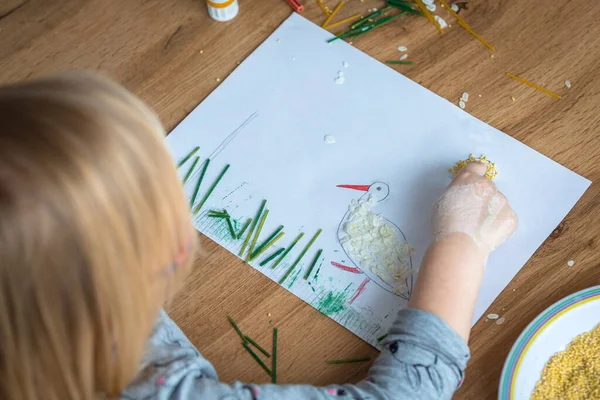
column 95, row 234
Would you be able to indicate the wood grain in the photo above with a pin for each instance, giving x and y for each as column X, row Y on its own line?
column 170, row 54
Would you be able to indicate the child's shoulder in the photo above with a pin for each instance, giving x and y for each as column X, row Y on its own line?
column 168, row 357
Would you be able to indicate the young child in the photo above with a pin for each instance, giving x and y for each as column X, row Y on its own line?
column 96, row 234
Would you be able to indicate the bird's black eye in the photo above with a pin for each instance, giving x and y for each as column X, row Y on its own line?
column 378, row 187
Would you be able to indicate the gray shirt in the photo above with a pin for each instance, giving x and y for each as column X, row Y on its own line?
column 422, row 358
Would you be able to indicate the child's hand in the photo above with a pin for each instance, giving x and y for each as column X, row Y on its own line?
column 472, row 205
column 469, row 220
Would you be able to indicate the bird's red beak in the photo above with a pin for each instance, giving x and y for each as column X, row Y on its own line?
column 362, row 188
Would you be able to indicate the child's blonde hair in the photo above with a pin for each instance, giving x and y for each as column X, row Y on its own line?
column 94, row 234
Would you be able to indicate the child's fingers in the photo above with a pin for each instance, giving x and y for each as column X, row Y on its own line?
column 497, row 202
column 473, row 175
column 473, row 205
column 470, row 172
column 476, row 168
column 503, row 227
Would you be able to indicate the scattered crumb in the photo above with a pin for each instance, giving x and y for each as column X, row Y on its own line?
column 345, row 64
column 514, row 290
column 570, row 263
column 462, row 104
column 479, row 95
column 431, row 7
column 402, row 48
column 329, row 139
column 268, row 314
column 404, row 56
column 218, row 79
column 568, row 84
column 374, row 9
column 491, row 56
column 201, row 51
column 465, row 97
column 440, row 21
column 492, row 316
column 349, row 42
column 513, row 98
column 239, row 62
column 500, row 321
column 339, row 80
column 455, row 8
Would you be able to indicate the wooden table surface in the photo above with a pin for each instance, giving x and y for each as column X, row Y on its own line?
column 170, row 53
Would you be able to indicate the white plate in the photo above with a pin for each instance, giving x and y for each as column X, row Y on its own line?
column 549, row 333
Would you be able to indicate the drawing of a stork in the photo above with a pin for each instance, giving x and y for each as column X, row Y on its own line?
column 394, row 248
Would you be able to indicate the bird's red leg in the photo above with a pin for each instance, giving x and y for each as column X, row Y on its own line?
column 360, row 290
column 354, row 270
column 345, row 268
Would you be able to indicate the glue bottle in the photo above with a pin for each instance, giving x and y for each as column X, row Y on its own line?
column 222, row 10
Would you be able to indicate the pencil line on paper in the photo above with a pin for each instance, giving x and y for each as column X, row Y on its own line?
column 232, row 136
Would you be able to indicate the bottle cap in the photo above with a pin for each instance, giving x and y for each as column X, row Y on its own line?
column 222, row 10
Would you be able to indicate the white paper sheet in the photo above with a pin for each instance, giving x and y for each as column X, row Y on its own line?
column 268, row 120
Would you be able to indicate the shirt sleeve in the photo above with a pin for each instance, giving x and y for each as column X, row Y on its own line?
column 422, row 358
